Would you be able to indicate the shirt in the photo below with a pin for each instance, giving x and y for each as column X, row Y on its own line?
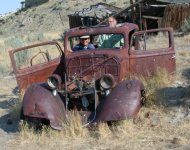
column 110, row 41
column 79, row 47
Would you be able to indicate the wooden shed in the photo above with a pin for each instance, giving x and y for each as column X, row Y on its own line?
column 148, row 14
column 93, row 15
column 160, row 13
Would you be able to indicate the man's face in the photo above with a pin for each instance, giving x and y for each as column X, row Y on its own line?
column 112, row 22
column 85, row 42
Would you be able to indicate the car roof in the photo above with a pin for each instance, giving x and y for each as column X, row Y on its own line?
column 101, row 28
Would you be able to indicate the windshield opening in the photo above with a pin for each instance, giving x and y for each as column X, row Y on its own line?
column 99, row 41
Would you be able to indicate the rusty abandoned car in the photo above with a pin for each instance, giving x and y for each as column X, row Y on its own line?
column 97, row 83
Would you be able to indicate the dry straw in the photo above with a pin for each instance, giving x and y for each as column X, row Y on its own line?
column 175, row 15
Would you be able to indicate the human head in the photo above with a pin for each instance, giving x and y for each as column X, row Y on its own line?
column 85, row 40
column 112, row 22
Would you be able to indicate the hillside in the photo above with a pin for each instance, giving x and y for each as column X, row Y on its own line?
column 47, row 17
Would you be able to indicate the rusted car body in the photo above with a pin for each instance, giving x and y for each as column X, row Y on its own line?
column 98, row 83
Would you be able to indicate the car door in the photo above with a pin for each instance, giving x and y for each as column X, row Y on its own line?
column 150, row 50
column 34, row 63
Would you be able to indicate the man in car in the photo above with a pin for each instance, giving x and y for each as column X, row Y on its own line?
column 84, row 44
column 111, row 40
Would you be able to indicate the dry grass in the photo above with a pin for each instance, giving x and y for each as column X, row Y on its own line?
column 130, row 134
column 4, row 62
column 182, row 52
column 160, row 80
column 139, row 133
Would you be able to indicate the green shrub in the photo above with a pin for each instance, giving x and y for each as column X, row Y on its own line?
column 56, row 6
column 4, row 69
column 185, row 28
column 35, row 37
column 16, row 42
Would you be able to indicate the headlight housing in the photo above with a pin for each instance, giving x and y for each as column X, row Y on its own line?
column 54, row 81
column 107, row 81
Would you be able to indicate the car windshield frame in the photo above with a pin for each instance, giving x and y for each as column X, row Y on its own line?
column 94, row 38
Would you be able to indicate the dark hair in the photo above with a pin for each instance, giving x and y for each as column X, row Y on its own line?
column 112, row 16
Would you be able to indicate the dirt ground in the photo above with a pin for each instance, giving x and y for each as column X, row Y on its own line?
column 8, row 125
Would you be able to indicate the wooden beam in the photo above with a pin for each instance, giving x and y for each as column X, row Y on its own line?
column 151, row 17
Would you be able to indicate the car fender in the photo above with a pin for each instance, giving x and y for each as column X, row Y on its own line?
column 39, row 102
column 123, row 102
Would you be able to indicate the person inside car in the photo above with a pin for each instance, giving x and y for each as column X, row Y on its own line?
column 111, row 40
column 84, row 44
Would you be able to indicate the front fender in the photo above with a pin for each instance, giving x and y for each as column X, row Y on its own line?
column 123, row 102
column 39, row 102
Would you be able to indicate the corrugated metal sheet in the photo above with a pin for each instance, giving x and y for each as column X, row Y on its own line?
column 92, row 16
column 100, row 9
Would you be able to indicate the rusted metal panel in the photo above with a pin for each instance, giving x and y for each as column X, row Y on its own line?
column 147, row 62
column 123, row 102
column 29, row 77
column 38, row 73
column 147, row 65
column 40, row 103
column 100, row 64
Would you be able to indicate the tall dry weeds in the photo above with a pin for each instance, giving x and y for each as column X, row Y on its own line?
column 159, row 80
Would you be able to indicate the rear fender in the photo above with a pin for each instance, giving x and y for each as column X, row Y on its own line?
column 39, row 102
column 123, row 102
